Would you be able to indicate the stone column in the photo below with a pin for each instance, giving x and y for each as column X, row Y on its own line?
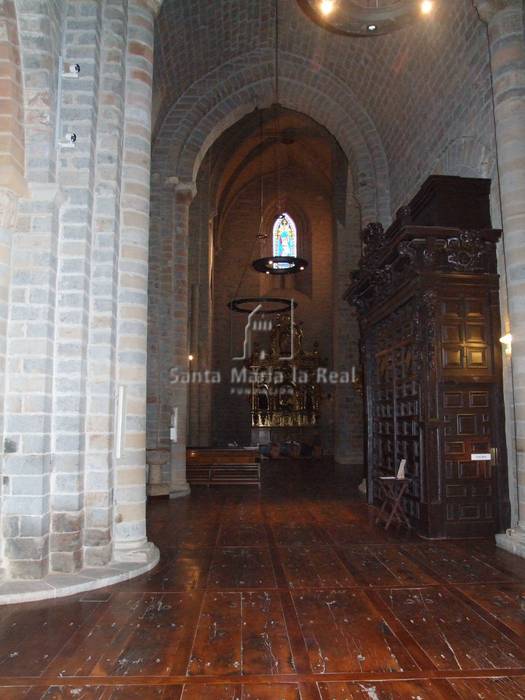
column 129, row 535
column 507, row 52
column 178, row 352
column 101, row 379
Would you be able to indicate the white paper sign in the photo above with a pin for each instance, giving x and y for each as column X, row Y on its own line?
column 481, row 457
column 174, row 429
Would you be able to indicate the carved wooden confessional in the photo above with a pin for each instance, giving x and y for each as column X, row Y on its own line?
column 426, row 292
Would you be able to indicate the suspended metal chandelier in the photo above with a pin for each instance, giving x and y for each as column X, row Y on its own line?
column 365, row 18
column 274, row 264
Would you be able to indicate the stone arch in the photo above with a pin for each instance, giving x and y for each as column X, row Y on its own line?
column 186, row 129
column 225, row 95
column 40, row 65
column 465, row 156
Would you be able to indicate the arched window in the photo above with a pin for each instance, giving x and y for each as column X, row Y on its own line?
column 284, row 236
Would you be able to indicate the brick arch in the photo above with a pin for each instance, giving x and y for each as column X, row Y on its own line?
column 225, row 95
column 12, row 148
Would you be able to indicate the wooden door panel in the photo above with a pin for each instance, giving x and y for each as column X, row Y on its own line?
column 469, row 491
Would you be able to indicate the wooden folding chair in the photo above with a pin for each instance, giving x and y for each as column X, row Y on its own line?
column 391, row 491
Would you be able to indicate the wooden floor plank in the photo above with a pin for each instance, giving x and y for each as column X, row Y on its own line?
column 211, row 692
column 385, row 690
column 32, row 635
column 242, row 534
column 218, row 640
column 384, row 565
column 180, row 569
column 504, row 601
column 137, row 635
column 500, row 688
column 343, row 633
column 241, row 567
column 450, row 633
column 450, row 563
column 320, row 567
column 297, row 533
column 265, row 644
column 277, row 691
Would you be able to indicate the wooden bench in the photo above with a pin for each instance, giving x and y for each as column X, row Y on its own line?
column 223, row 467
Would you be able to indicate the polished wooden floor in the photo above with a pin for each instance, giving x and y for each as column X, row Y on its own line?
column 290, row 593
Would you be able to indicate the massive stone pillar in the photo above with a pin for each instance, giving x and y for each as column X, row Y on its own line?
column 179, row 350
column 504, row 19
column 130, row 541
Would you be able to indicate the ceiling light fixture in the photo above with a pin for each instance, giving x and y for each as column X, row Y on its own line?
column 327, row 7
column 370, row 18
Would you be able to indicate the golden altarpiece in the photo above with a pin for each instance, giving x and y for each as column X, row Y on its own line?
column 285, row 394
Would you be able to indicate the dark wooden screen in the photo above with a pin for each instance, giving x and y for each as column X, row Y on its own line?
column 427, row 298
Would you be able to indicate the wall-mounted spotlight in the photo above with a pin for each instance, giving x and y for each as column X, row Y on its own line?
column 72, row 70
column 506, row 340
column 426, row 7
column 69, row 140
column 190, row 358
column 372, row 27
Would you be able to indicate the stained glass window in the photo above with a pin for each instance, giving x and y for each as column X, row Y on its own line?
column 284, row 236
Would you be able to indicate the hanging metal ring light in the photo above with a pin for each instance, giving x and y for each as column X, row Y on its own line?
column 266, row 305
column 280, row 265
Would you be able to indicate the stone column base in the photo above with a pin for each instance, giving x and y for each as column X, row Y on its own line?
column 158, row 489
column 180, row 490
column 513, row 541
column 135, row 553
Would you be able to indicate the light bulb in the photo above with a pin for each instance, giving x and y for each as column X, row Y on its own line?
column 190, row 357
column 372, row 27
column 327, row 7
column 506, row 340
column 426, row 7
